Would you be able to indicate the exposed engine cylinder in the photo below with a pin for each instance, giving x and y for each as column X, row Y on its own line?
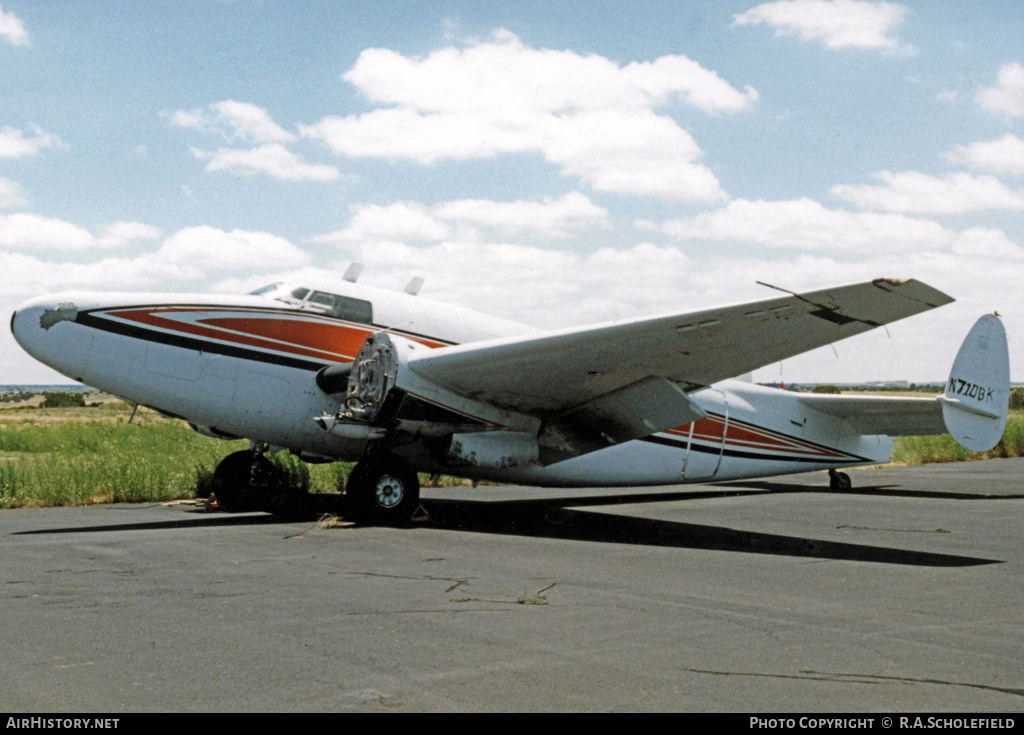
column 373, row 374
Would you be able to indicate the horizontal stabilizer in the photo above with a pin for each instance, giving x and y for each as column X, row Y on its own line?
column 972, row 409
column 882, row 415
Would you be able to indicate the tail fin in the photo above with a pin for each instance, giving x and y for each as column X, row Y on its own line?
column 977, row 395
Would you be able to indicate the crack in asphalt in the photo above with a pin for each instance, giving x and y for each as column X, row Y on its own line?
column 860, row 679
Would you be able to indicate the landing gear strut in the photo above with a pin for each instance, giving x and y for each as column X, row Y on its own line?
column 383, row 489
column 839, row 480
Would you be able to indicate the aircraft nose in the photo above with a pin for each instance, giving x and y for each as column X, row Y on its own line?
column 45, row 328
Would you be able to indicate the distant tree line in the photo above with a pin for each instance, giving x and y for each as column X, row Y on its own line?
column 16, row 396
column 63, row 400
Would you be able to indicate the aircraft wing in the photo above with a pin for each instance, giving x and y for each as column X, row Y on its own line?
column 608, row 383
column 889, row 416
column 553, row 371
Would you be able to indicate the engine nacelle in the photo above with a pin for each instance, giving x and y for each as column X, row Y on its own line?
column 384, row 391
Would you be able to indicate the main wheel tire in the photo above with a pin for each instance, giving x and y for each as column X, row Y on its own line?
column 240, row 486
column 384, row 491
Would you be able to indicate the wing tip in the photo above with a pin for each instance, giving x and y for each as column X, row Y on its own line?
column 914, row 289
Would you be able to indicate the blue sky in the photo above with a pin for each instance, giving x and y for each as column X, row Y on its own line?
column 553, row 162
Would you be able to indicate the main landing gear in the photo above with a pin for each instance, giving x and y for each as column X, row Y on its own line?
column 247, row 481
column 839, row 480
column 383, row 489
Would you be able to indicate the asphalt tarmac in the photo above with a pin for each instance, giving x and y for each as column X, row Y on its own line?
column 904, row 593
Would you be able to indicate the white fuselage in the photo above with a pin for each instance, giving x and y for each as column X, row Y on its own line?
column 245, row 366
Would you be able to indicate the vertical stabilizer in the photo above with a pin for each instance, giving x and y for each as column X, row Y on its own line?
column 977, row 394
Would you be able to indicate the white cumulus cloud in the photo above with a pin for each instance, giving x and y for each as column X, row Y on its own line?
column 272, row 159
column 11, row 194
column 234, row 121
column 15, row 144
column 505, row 75
column 470, row 220
column 1004, row 156
column 835, row 23
column 27, row 231
column 1007, row 97
column 12, row 29
column 208, row 248
column 399, row 222
column 25, row 275
column 126, row 234
column 911, row 191
column 594, row 118
column 551, row 217
column 805, row 224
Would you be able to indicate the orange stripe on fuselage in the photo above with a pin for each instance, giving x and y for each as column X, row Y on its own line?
column 302, row 334
column 329, row 336
column 152, row 318
column 739, row 436
column 336, row 339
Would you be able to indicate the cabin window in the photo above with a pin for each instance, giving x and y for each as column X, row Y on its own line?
column 344, row 307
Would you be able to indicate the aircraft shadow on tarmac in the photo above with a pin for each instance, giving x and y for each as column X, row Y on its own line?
column 565, row 518
column 890, row 491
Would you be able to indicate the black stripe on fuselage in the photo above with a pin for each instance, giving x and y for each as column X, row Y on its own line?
column 92, row 318
column 89, row 319
column 799, row 440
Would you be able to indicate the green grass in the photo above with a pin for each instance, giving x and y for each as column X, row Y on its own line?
column 77, row 456
column 942, row 448
column 74, row 462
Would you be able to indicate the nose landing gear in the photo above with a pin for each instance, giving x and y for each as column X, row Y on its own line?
column 839, row 480
column 247, row 481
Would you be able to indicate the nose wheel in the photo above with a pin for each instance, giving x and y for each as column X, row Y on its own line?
column 247, row 481
column 839, row 480
column 383, row 490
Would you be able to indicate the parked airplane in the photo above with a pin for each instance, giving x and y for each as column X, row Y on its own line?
column 403, row 384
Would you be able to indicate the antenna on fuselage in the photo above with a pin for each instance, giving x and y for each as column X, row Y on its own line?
column 353, row 272
column 413, row 287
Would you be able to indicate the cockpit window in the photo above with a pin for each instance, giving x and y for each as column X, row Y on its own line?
column 319, row 298
column 343, row 307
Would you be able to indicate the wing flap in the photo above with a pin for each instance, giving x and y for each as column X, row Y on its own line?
column 638, row 410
